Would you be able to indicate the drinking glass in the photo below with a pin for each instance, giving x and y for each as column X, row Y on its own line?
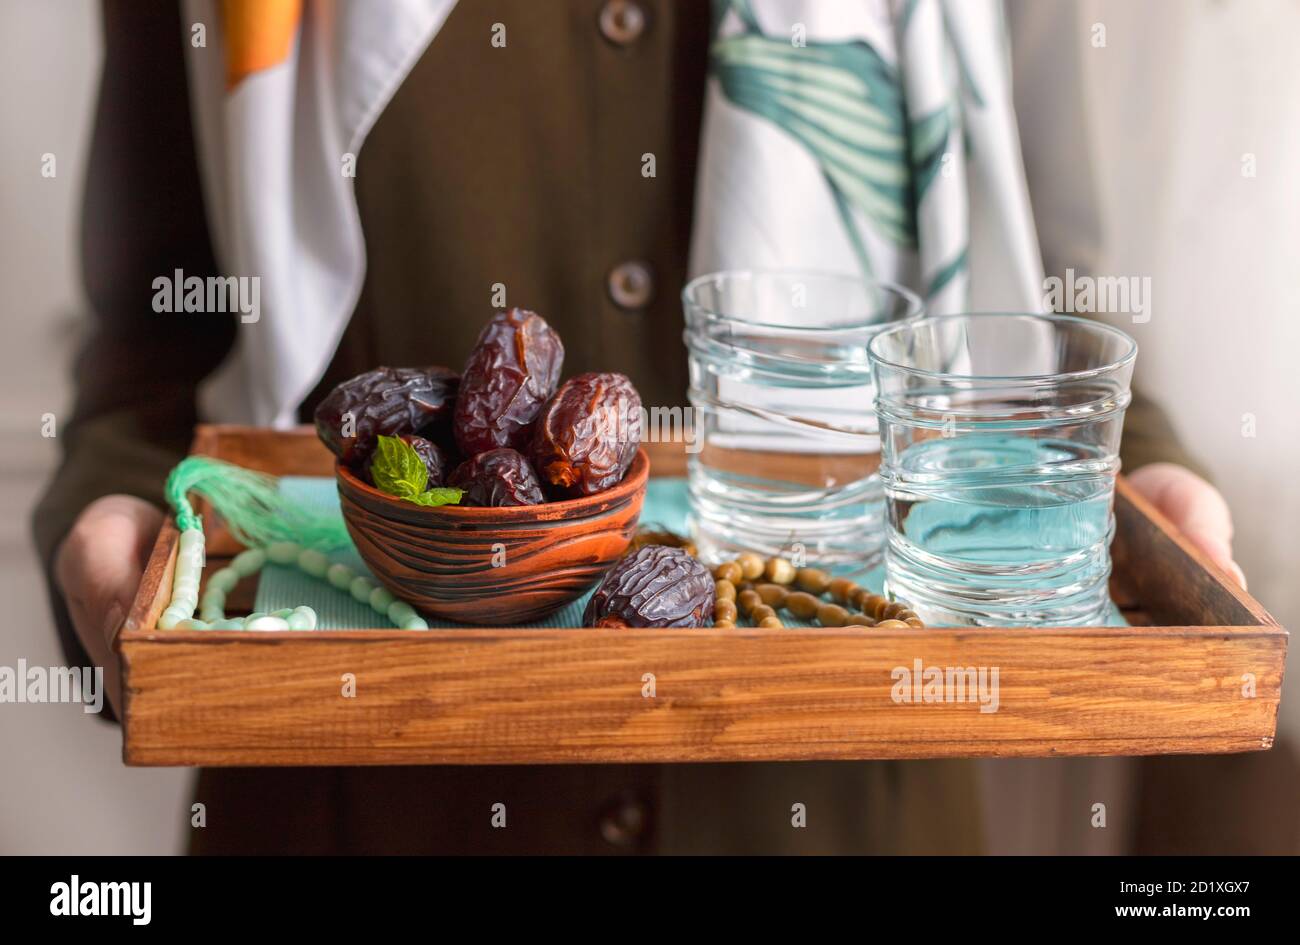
column 1000, row 445
column 786, row 449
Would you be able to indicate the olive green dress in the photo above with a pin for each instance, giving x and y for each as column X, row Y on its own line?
column 515, row 168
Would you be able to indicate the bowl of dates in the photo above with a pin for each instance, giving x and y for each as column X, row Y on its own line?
column 494, row 496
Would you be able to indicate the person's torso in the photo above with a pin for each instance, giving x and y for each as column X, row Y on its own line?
column 554, row 172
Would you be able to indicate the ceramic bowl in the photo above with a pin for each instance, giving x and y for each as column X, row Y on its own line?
column 496, row 566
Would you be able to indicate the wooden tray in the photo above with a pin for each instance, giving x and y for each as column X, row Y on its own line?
column 1171, row 683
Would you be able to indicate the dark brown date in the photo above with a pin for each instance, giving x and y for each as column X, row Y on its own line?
column 513, row 369
column 388, row 402
column 497, row 477
column 657, row 586
column 587, row 434
column 435, row 460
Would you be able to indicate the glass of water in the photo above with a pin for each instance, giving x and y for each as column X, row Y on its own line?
column 786, row 449
column 1000, row 445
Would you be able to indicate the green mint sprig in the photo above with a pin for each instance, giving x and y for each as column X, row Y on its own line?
column 398, row 470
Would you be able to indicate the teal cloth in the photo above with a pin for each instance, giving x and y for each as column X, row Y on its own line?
column 283, row 587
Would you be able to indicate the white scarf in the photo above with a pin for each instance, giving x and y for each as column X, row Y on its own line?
column 283, row 93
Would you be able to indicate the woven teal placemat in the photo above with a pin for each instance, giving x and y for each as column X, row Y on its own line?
column 280, row 587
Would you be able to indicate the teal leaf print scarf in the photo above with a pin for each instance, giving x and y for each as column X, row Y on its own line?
column 857, row 136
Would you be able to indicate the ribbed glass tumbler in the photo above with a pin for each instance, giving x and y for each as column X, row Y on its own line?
column 786, row 450
column 999, row 450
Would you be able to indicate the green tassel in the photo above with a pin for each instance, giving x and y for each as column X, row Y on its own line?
column 251, row 505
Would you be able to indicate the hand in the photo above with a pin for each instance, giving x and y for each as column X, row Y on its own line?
column 98, row 568
column 1195, row 507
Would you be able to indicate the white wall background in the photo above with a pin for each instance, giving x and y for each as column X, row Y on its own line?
column 1182, row 90
column 63, row 787
column 1182, row 94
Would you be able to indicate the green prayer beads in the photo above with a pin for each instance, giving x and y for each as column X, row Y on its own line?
column 272, row 529
column 185, row 585
column 179, row 614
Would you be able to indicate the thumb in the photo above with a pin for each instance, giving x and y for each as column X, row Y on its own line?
column 1195, row 507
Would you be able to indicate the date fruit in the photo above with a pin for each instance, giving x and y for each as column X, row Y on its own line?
column 587, row 434
column 657, row 586
column 496, row 478
column 388, row 402
column 512, row 371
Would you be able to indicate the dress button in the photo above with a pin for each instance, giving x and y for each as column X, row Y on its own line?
column 631, row 285
column 624, row 823
column 622, row 22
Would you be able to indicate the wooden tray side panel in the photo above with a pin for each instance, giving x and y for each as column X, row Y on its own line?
column 155, row 586
column 296, row 452
column 543, row 696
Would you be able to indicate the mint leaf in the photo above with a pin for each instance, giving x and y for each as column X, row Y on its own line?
column 434, row 497
column 397, row 469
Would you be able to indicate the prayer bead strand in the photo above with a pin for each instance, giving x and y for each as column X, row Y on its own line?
column 751, row 587
column 179, row 614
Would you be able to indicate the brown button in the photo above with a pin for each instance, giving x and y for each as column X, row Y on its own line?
column 622, row 22
column 624, row 823
column 631, row 285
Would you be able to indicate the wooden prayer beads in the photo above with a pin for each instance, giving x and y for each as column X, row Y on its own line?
column 755, row 588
